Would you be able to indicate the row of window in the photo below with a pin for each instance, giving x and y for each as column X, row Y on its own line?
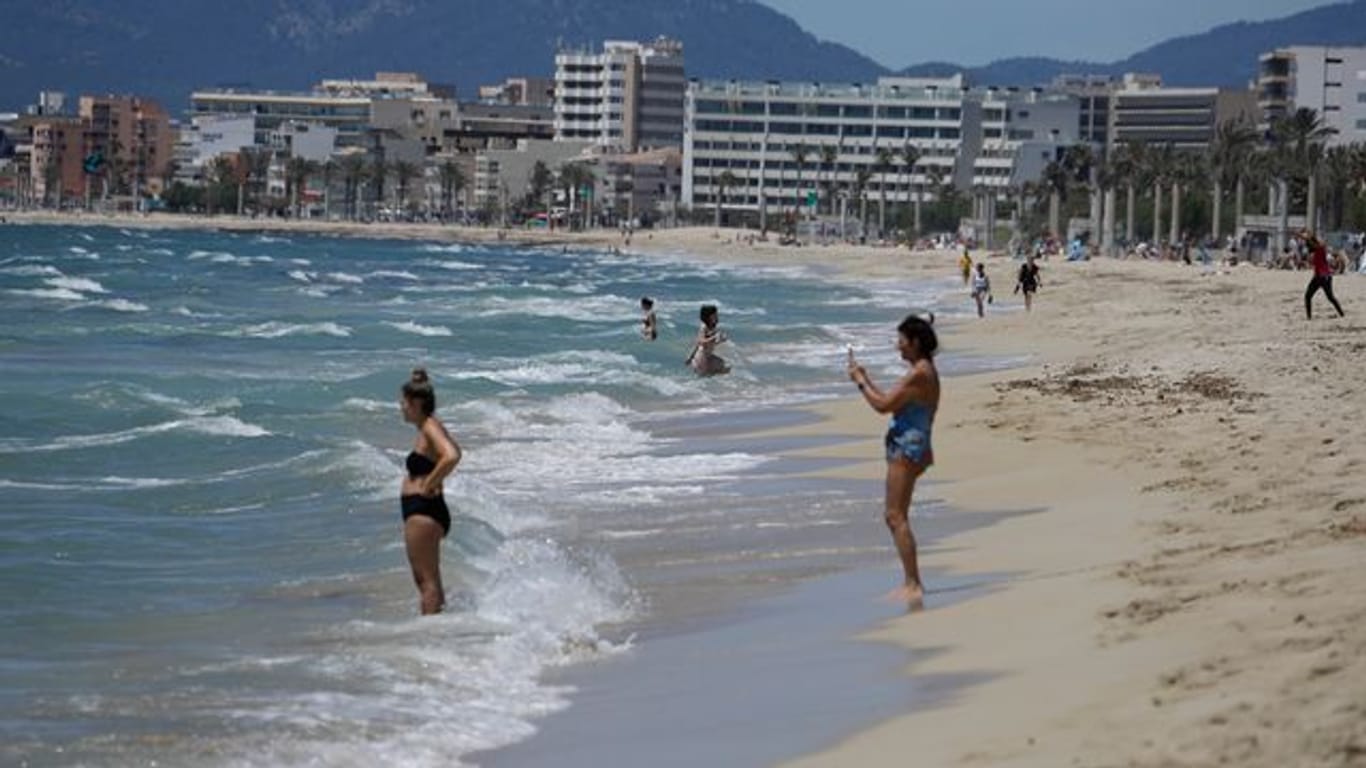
column 813, row 149
column 829, row 129
column 283, row 110
column 809, row 109
column 810, row 169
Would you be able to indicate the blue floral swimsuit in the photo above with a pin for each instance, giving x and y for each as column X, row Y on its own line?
column 908, row 435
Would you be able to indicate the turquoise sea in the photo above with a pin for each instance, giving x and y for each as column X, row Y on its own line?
column 200, row 450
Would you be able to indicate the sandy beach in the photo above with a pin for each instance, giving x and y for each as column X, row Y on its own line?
column 1191, row 590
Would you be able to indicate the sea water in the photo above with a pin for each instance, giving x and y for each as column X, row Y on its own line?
column 200, row 450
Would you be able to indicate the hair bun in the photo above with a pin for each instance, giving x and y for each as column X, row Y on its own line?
column 419, row 376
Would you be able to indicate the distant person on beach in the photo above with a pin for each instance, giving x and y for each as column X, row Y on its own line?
column 703, row 358
column 981, row 288
column 1323, row 274
column 965, row 266
column 1027, row 282
column 426, row 518
column 649, row 329
column 912, row 403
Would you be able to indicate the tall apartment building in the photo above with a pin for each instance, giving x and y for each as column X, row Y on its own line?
column 1329, row 80
column 629, row 96
column 132, row 132
column 55, row 172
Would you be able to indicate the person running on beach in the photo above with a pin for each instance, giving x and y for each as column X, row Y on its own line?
column 912, row 403
column 981, row 288
column 965, row 266
column 703, row 358
column 426, row 518
column 1323, row 275
column 1028, row 282
column 649, row 328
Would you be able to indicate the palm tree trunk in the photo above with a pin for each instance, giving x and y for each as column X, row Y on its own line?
column 1157, row 214
column 1311, row 208
column 1283, row 210
column 1107, row 228
column 1176, row 213
column 1129, row 205
column 1218, row 207
column 1094, row 213
column 1239, row 190
column 882, row 211
column 241, row 198
column 1053, row 204
column 916, row 208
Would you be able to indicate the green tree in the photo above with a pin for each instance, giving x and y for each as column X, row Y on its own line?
column 884, row 157
column 452, row 183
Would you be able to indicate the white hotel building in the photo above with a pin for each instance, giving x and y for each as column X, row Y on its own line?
column 1329, row 80
column 966, row 138
column 628, row 97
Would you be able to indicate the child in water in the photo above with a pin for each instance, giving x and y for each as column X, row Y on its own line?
column 981, row 288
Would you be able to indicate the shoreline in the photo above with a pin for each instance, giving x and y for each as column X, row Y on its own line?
column 1189, row 592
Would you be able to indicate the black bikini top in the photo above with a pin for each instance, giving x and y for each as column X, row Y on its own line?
column 419, row 465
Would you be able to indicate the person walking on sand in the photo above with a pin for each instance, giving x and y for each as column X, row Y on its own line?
column 1323, row 275
column 1027, row 282
column 912, row 403
column 981, row 288
column 965, row 266
column 649, row 324
column 704, row 359
column 426, row 518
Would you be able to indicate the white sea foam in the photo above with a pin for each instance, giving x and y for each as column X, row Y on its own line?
column 346, row 278
column 122, row 305
column 81, row 284
column 302, row 276
column 368, row 405
column 435, row 248
column 59, row 294
column 393, row 275
column 276, row 329
column 421, row 330
column 452, row 265
column 589, row 309
column 224, row 426
column 27, row 270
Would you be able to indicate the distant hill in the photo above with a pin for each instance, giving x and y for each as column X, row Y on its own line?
column 1224, row 56
column 166, row 48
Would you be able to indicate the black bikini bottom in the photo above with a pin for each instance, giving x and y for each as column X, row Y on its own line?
column 428, row 506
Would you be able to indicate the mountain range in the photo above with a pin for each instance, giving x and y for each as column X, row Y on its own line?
column 166, row 48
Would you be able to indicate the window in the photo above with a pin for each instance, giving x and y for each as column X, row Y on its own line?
column 892, row 112
column 827, row 110
column 782, row 108
column 857, row 111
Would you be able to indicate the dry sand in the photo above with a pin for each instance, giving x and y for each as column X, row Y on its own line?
column 1193, row 590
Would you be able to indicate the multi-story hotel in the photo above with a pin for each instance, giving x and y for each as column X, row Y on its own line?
column 629, row 96
column 787, row 144
column 1142, row 109
column 1330, row 81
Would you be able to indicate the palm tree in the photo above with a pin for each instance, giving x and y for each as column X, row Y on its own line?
column 1055, row 181
column 576, row 177
column 257, row 163
column 297, row 171
column 799, row 155
column 829, row 156
column 405, row 172
column 1228, row 153
column 329, row 170
column 1189, row 171
column 1129, row 166
column 353, row 170
column 725, row 181
column 1295, row 136
column 910, row 158
column 1159, row 171
column 452, row 182
column 1337, row 166
column 379, row 173
column 884, row 164
column 861, row 179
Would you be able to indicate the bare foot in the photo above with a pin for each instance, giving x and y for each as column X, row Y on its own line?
column 912, row 595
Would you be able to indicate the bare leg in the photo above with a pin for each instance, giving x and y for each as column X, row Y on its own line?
column 422, row 536
column 1029, row 301
column 901, row 477
column 978, row 298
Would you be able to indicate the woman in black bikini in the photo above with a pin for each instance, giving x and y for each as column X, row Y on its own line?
column 1028, row 281
column 426, row 519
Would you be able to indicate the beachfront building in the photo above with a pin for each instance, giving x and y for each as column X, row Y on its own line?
column 1010, row 136
column 503, row 175
column 207, row 137
column 56, row 154
column 347, row 114
column 788, row 145
column 1093, row 93
column 1144, row 110
column 1329, row 80
column 134, row 137
column 628, row 96
column 520, row 91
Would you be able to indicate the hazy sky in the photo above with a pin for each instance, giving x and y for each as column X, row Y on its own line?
column 898, row 33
